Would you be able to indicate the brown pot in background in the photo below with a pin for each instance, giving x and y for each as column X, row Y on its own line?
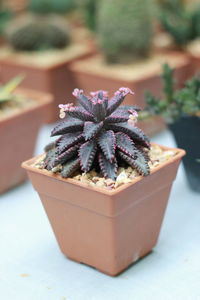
column 93, row 73
column 18, row 134
column 108, row 230
column 46, row 72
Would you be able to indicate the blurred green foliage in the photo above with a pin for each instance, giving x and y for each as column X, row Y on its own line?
column 176, row 103
column 180, row 21
column 51, row 6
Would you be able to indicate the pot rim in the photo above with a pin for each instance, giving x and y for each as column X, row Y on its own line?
column 29, row 167
column 41, row 99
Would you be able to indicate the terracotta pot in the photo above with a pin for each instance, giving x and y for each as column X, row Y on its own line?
column 93, row 73
column 108, row 230
column 52, row 77
column 18, row 134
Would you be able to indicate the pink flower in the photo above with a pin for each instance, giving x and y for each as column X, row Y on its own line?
column 77, row 92
column 66, row 107
column 133, row 117
column 124, row 91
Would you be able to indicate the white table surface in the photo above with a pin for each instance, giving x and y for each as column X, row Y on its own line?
column 33, row 268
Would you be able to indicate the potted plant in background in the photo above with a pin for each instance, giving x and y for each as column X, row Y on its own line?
column 109, row 213
column 124, row 33
column 40, row 46
column 181, row 20
column 22, row 112
column 181, row 110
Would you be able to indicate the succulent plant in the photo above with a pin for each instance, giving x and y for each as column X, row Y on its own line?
column 180, row 21
column 176, row 103
column 51, row 6
column 6, row 90
column 98, row 134
column 124, row 29
column 37, row 33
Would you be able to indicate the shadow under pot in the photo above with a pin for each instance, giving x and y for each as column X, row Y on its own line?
column 186, row 132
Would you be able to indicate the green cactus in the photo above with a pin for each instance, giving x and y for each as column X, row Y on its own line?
column 51, row 6
column 124, row 29
column 37, row 34
column 180, row 21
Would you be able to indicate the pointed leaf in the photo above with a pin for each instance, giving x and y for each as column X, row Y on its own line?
column 125, row 144
column 71, row 125
column 91, row 129
column 114, row 103
column 68, row 140
column 107, row 143
column 86, row 154
column 50, row 159
column 116, row 119
column 80, row 113
column 108, row 169
column 70, row 167
column 139, row 163
column 68, row 154
column 134, row 132
column 99, row 110
column 83, row 100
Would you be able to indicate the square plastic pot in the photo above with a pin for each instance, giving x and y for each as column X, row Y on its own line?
column 108, row 230
column 18, row 134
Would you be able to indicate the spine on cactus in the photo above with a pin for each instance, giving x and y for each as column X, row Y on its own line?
column 124, row 29
column 98, row 134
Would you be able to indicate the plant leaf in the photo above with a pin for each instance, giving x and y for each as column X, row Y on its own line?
column 68, row 140
column 80, row 113
column 86, row 154
column 139, row 163
column 99, row 111
column 134, row 132
column 68, row 154
column 107, row 143
column 50, row 159
column 114, row 103
column 91, row 129
column 70, row 167
column 71, row 125
column 108, row 169
column 116, row 119
column 83, row 100
column 125, row 144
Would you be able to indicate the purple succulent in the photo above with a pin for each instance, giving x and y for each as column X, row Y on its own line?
column 98, row 134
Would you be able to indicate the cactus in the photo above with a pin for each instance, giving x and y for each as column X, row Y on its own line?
column 180, row 21
column 98, row 134
column 176, row 103
column 51, row 6
column 124, row 29
column 38, row 33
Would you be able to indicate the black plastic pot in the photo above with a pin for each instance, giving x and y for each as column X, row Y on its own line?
column 186, row 132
